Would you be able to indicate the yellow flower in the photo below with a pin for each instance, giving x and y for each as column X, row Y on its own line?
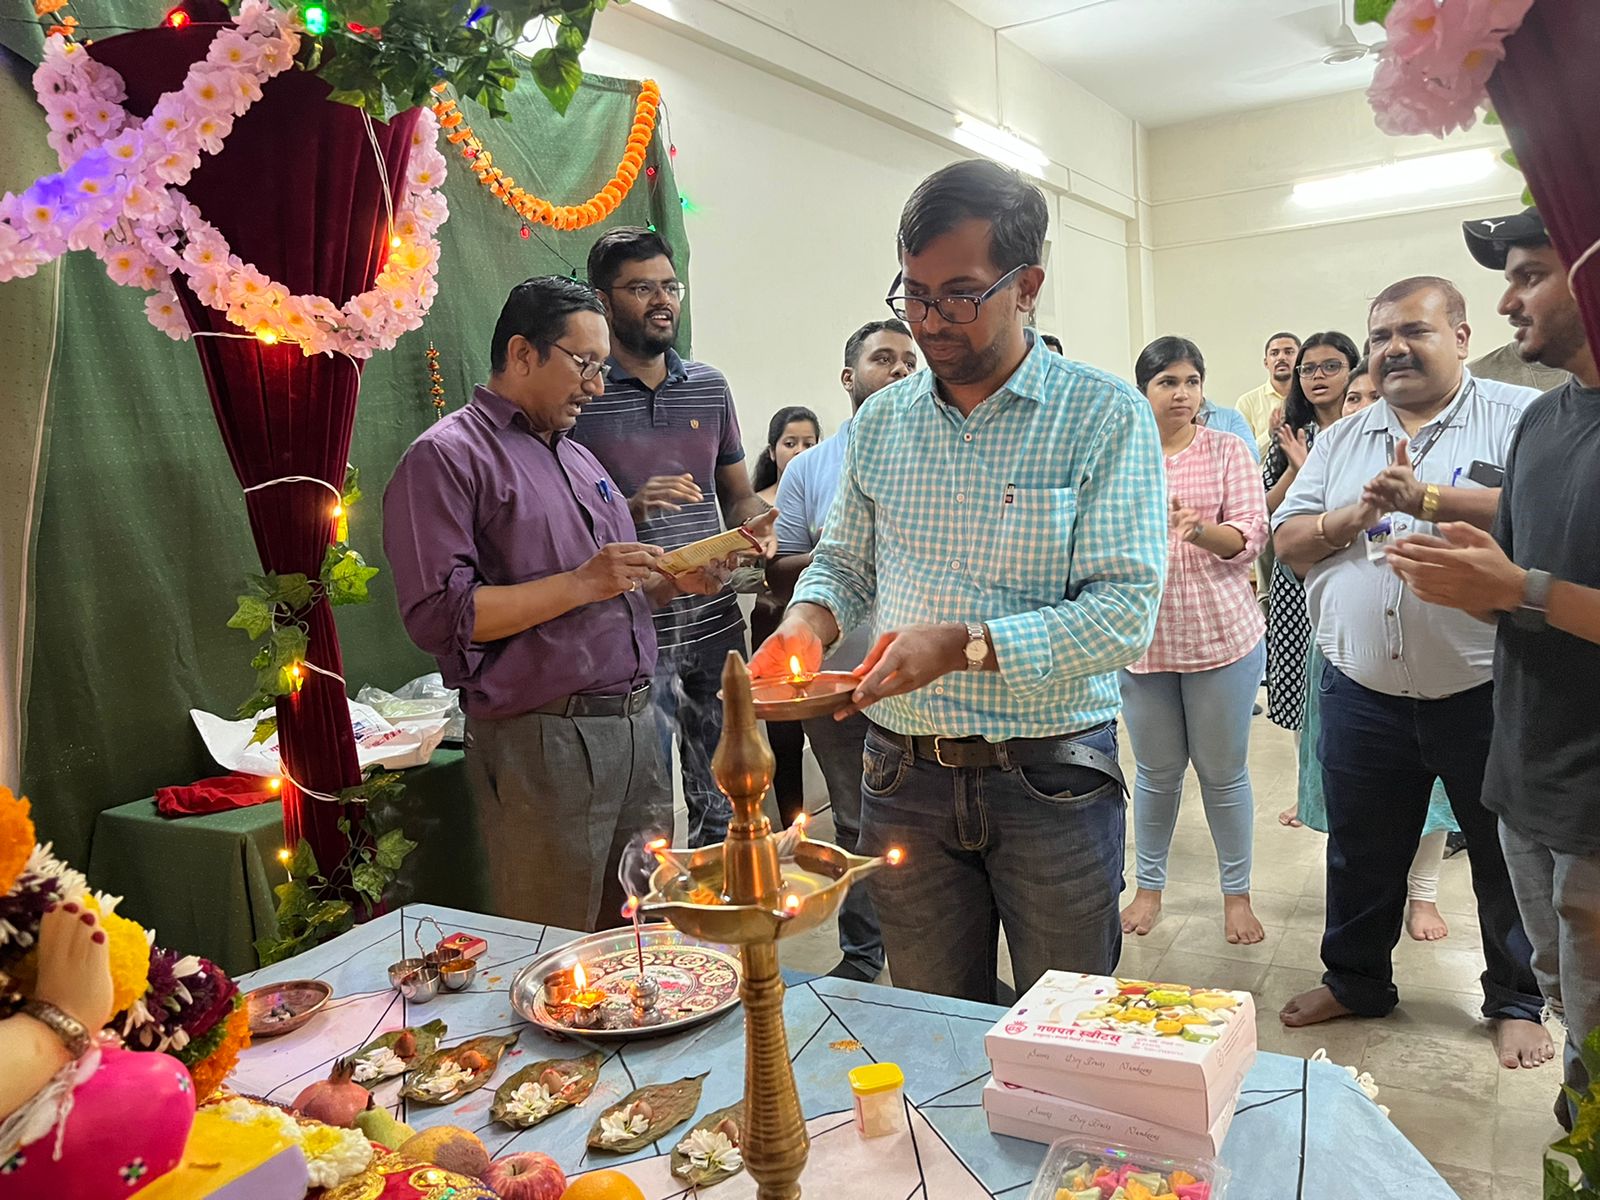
column 211, row 1070
column 130, row 955
column 16, row 838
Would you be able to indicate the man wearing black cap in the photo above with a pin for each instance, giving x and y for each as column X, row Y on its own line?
column 1537, row 577
column 1506, row 362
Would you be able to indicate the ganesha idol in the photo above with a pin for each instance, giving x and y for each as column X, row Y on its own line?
column 82, row 1116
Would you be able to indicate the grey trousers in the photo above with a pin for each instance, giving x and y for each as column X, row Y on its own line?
column 1558, row 894
column 558, row 800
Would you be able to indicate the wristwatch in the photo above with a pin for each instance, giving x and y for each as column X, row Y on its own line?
column 1531, row 613
column 977, row 646
column 73, row 1033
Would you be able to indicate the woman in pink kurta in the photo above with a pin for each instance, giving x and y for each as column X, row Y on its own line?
column 1189, row 699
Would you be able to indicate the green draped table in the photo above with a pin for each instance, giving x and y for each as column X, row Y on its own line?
column 204, row 883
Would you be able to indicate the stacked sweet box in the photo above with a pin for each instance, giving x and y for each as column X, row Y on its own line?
column 1150, row 1065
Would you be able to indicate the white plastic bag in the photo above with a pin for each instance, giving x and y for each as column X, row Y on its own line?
column 379, row 742
column 423, row 698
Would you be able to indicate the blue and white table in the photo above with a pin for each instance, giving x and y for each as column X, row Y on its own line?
column 1303, row 1130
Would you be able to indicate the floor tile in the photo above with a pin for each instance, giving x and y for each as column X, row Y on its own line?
column 1448, row 1132
column 1200, row 970
column 1207, row 934
column 1398, row 1058
column 1520, row 1139
column 1469, row 1185
column 1300, row 949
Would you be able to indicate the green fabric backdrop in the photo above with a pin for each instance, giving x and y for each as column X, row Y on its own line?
column 141, row 541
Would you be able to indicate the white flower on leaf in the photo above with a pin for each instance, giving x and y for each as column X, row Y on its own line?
column 621, row 1126
column 382, row 1063
column 706, row 1149
column 448, row 1078
column 530, row 1102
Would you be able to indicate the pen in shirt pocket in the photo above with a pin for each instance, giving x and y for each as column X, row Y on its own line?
column 1455, row 477
column 604, row 489
column 1010, row 498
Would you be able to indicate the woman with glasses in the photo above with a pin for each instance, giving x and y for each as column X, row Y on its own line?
column 1189, row 699
column 1315, row 401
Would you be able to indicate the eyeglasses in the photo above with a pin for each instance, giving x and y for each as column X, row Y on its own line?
column 1331, row 366
column 672, row 289
column 588, row 368
column 957, row 310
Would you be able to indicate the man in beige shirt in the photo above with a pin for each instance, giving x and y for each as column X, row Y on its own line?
column 1259, row 405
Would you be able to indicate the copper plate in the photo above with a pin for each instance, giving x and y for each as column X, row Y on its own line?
column 823, row 693
column 281, row 1008
column 698, row 980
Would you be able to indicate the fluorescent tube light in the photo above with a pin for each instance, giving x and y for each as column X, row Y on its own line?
column 1000, row 144
column 1430, row 173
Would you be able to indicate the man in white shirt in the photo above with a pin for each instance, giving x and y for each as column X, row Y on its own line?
column 1260, row 403
column 1407, row 695
column 876, row 355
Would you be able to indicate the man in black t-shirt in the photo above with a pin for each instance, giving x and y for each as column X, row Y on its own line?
column 1538, row 577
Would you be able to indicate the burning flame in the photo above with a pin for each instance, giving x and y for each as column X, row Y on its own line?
column 794, row 665
column 800, row 820
column 896, row 856
column 657, row 846
column 791, row 904
column 579, row 979
column 631, row 907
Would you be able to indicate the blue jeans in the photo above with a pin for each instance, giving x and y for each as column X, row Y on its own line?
column 1380, row 755
column 687, row 709
column 838, row 746
column 1201, row 717
column 1037, row 849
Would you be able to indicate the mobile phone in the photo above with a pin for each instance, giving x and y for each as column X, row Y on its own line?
column 1486, row 474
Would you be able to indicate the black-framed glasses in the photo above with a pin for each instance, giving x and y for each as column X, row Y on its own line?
column 672, row 289
column 957, row 310
column 1330, row 366
column 588, row 368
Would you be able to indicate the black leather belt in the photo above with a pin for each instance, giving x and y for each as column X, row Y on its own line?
column 585, row 705
column 962, row 752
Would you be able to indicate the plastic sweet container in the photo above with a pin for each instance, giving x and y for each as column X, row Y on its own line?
column 1077, row 1160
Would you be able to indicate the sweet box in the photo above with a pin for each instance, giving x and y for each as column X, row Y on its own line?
column 1037, row 1117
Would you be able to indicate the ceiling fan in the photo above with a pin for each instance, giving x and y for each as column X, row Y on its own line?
column 1342, row 49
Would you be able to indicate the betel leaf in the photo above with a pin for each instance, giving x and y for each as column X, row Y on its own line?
column 706, row 1176
column 669, row 1105
column 488, row 1049
column 578, row 1075
column 426, row 1038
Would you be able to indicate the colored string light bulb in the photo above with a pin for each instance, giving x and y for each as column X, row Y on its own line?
column 176, row 19
column 394, row 242
column 436, row 382
column 267, row 336
column 316, row 19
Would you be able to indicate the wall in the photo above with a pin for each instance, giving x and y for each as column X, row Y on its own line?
column 1234, row 259
column 801, row 130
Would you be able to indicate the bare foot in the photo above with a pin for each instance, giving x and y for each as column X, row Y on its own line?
column 1312, row 1008
column 1141, row 915
column 1291, row 817
column 1522, row 1043
column 1424, row 921
column 1239, row 921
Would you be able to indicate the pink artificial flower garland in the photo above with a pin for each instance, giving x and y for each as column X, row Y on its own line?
column 117, row 196
column 1432, row 76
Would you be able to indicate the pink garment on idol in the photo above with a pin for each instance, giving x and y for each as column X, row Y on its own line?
column 128, row 1126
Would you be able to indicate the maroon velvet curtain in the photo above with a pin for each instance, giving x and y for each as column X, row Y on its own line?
column 1546, row 92
column 296, row 191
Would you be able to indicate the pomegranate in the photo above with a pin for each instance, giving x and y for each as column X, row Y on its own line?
column 336, row 1100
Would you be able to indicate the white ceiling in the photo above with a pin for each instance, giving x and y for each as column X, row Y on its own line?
column 1165, row 61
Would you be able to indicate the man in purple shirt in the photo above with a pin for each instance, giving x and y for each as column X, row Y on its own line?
column 517, row 566
column 667, row 432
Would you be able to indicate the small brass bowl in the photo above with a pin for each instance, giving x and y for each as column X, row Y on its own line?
column 415, row 979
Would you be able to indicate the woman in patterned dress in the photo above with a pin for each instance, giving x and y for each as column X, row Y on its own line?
column 1188, row 699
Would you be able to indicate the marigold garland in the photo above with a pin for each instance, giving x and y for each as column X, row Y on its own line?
column 535, row 208
column 16, row 838
column 211, row 1070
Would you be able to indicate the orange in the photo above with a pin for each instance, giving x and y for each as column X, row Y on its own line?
column 603, row 1185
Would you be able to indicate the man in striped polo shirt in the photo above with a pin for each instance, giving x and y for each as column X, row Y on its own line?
column 667, row 432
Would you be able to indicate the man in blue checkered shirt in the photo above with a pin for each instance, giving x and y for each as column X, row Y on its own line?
column 1003, row 515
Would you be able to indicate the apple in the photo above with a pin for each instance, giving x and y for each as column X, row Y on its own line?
column 527, row 1176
